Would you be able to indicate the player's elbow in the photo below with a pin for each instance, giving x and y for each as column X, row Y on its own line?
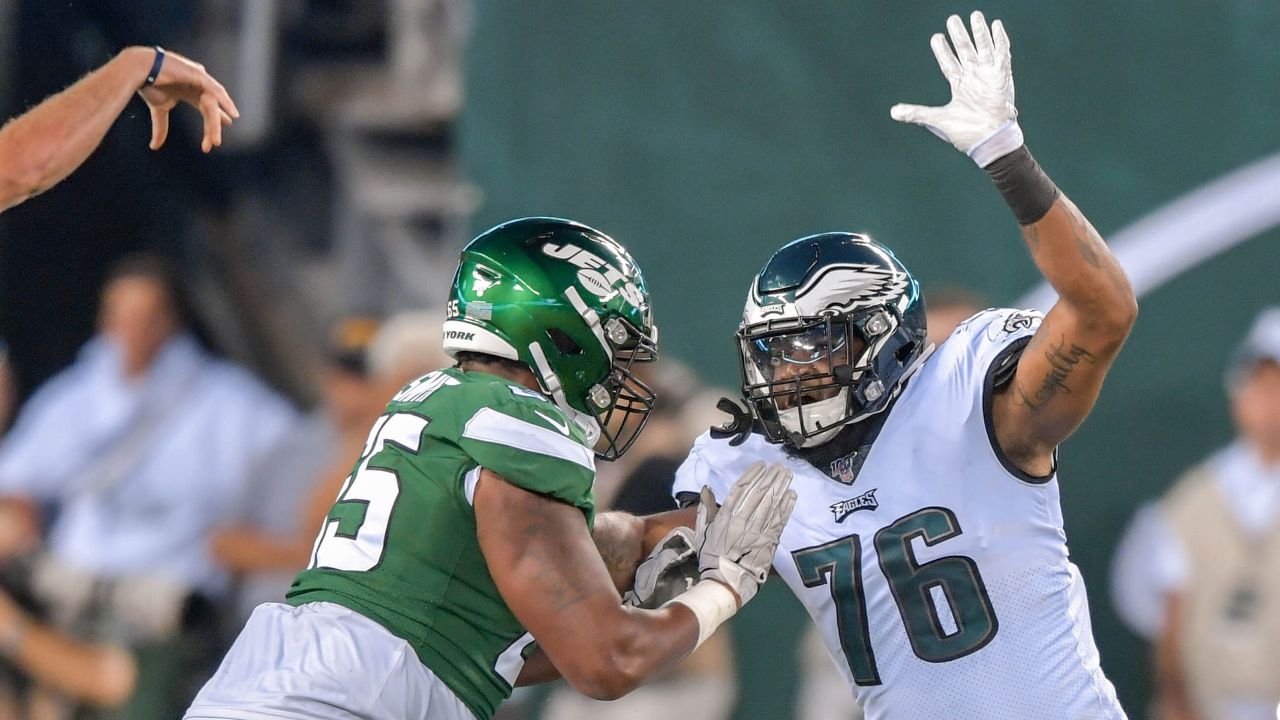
column 1108, row 319
column 603, row 679
column 611, row 670
column 1124, row 311
column 1114, row 320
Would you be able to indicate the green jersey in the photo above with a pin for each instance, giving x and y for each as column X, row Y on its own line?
column 399, row 545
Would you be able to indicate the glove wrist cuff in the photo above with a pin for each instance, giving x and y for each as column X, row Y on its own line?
column 711, row 602
column 1004, row 140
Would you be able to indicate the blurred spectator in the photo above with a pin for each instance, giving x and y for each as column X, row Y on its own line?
column 295, row 485
column 1217, row 655
column 270, row 540
column 947, row 307
column 6, row 389
column 101, row 675
column 1137, row 577
column 135, row 452
column 409, row 345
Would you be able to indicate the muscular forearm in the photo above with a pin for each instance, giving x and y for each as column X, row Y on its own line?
column 620, row 539
column 43, row 146
column 1077, row 263
column 624, row 540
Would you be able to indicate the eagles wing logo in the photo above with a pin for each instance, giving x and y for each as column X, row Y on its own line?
column 1016, row 322
column 848, row 286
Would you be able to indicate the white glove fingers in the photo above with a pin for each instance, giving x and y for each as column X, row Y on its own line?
column 960, row 39
column 775, row 482
column 781, row 513
column 742, row 488
column 764, row 497
column 707, row 510
column 771, row 532
column 780, row 484
column 917, row 114
column 780, row 476
column 772, row 517
column 1001, row 40
column 982, row 38
column 947, row 61
column 785, row 507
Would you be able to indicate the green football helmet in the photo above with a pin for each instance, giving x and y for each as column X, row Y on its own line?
column 568, row 302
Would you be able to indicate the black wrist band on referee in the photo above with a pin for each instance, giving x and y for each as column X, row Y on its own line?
column 1024, row 186
column 155, row 67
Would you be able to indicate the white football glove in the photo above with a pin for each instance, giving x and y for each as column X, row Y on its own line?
column 981, row 120
column 670, row 569
column 736, row 541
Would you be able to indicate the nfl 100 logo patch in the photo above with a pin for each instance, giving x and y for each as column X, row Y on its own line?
column 845, row 469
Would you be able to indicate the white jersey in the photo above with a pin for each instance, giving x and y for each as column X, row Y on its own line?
column 939, row 578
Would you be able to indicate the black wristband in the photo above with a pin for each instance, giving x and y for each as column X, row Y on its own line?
column 155, row 67
column 1023, row 185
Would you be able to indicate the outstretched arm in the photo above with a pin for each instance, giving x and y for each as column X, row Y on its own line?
column 1061, row 370
column 41, row 147
column 550, row 574
column 542, row 558
column 623, row 541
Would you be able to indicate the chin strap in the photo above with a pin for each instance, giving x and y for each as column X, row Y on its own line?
column 551, row 385
column 739, row 425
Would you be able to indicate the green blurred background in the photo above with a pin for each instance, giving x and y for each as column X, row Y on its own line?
column 706, row 134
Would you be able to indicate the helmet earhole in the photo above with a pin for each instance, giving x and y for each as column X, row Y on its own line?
column 906, row 352
column 564, row 344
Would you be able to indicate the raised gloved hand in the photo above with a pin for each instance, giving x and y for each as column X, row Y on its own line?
column 981, row 119
column 736, row 541
column 670, row 569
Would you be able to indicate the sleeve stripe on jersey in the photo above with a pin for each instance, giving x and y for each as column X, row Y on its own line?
column 489, row 425
column 469, row 485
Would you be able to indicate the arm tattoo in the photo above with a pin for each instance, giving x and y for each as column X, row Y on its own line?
column 1062, row 361
column 561, row 592
column 1084, row 241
